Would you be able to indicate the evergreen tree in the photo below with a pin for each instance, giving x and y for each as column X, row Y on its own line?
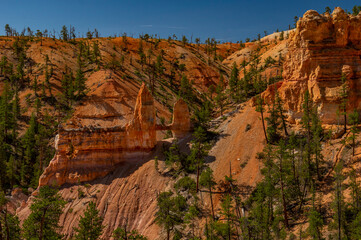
column 8, row 30
column 175, row 157
column 227, row 212
column 47, row 81
column 354, row 121
column 328, row 10
column 29, row 145
column 168, row 214
column 316, row 146
column 11, row 170
column 123, row 234
column 355, row 227
column 80, row 86
column 96, row 53
column 306, row 120
column 355, row 193
column 67, row 83
column 344, row 92
column 260, row 109
column 315, row 221
column 199, row 151
column 221, row 96
column 46, row 209
column 9, row 224
column 355, row 10
column 233, row 81
column 39, row 34
column 64, row 33
column 338, row 204
column 207, row 180
column 90, row 225
column 281, row 112
column 186, row 90
column 273, row 124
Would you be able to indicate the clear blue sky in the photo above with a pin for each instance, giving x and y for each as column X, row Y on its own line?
column 230, row 20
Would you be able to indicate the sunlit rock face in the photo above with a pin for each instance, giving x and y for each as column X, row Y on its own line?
column 322, row 48
column 85, row 153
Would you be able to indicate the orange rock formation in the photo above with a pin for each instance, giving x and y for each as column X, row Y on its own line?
column 85, row 153
column 322, row 48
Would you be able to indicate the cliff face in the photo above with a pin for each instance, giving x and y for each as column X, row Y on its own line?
column 322, row 48
column 85, row 153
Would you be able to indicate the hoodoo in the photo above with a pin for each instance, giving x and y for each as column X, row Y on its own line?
column 86, row 153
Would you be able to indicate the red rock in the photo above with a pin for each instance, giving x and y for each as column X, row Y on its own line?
column 181, row 119
column 319, row 51
column 85, row 153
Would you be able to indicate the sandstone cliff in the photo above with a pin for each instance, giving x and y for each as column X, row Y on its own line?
column 84, row 153
column 322, row 48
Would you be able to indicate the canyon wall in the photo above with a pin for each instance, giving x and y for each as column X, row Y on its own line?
column 320, row 50
column 84, row 153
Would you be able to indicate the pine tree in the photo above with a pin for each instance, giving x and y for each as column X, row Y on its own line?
column 338, row 204
column 273, row 124
column 29, row 146
column 5, row 112
column 315, row 220
column 90, row 225
column 123, row 234
column 199, row 151
column 221, row 96
column 316, row 146
column 167, row 215
column 328, row 10
column 354, row 121
column 11, row 170
column 281, row 112
column 355, row 227
column 8, row 30
column 233, row 81
column 9, row 224
column 186, row 90
column 283, row 172
column 306, row 120
column 47, row 82
column 355, row 192
column 344, row 92
column 260, row 109
column 80, row 86
column 64, row 33
column 67, row 83
column 227, row 212
column 207, row 180
column 96, row 53
column 46, row 209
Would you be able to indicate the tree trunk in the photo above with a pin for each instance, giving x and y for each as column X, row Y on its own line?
column 339, row 210
column 210, row 195
column 283, row 197
column 264, row 128
column 284, row 125
column 345, row 119
column 197, row 177
column 42, row 224
column 229, row 229
column 317, row 166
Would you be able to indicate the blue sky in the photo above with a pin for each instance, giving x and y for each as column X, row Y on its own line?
column 224, row 20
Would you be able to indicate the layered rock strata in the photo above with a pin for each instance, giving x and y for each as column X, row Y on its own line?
column 323, row 47
column 86, row 153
